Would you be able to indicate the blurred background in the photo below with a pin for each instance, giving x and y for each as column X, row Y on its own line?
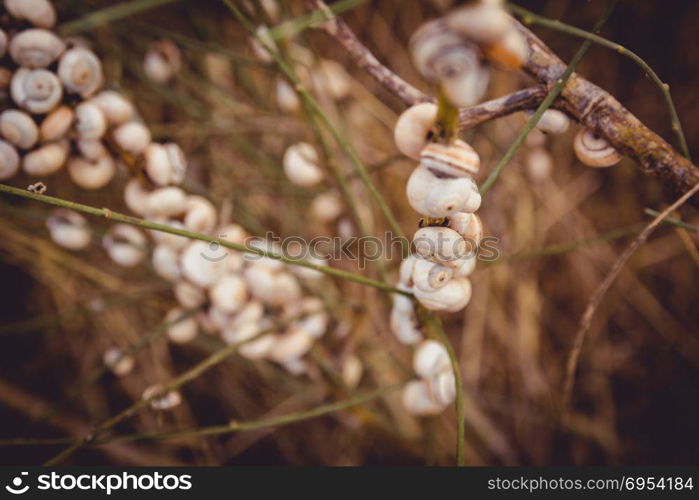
column 559, row 229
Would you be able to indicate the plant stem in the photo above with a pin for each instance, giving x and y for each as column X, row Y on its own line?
column 109, row 15
column 134, row 221
column 530, row 18
column 546, row 103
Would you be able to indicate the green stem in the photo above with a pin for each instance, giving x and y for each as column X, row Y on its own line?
column 134, row 221
column 529, row 18
column 290, row 28
column 550, row 97
column 109, row 15
column 674, row 222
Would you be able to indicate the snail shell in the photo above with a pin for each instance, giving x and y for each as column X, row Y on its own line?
column 158, row 166
column 258, row 348
column 9, row 160
column 405, row 274
column 90, row 122
column 68, row 229
column 466, row 80
column 431, row 42
column 56, row 124
column 403, row 321
column 35, row 48
column 452, row 297
column 292, row 344
column 464, row 266
column 315, row 324
column 18, row 128
column 162, row 61
column 200, row 214
column 178, row 162
column 136, row 196
column 417, row 399
column 301, row 165
column 510, row 52
column 166, row 202
column 47, row 159
column 451, row 195
column 332, row 79
column 429, row 276
column 420, row 182
column 116, row 108
column 166, row 263
column 172, row 240
column 198, row 266
column 38, row 12
column 430, row 359
column 187, row 294
column 132, row 137
column 91, row 149
column 287, row 99
column 593, row 150
column 326, row 207
column 240, row 333
column 457, row 159
column 469, row 226
column 539, row 163
column 125, row 245
column 162, row 402
column 553, row 122
column 413, row 129
column 91, row 174
column 228, row 294
column 80, row 70
column 442, row 387
column 439, row 244
column 38, row 91
column 352, row 371
column 3, row 43
column 482, row 22
column 251, row 312
column 119, row 363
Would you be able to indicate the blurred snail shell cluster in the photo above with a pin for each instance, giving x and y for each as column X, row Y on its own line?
column 435, row 389
column 57, row 114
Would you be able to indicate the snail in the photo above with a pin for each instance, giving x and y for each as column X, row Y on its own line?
column 403, row 320
column 200, row 214
column 457, row 159
column 38, row 90
column 228, row 294
column 133, row 137
column 47, row 159
column 287, row 99
column 174, row 241
column 455, row 295
column 315, row 325
column 56, row 124
column 351, row 371
column 116, row 108
column 91, row 149
column 553, row 122
column 469, row 226
column 483, row 22
column 241, row 333
column 9, row 160
column 331, row 78
column 80, row 71
column 18, row 128
column 429, row 276
column 136, row 196
column 593, row 150
column 326, row 207
column 159, row 401
column 125, row 245
column 35, row 48
column 439, row 244
column 413, row 129
column 165, row 202
column 165, row 262
column 187, row 294
column 539, row 164
column 301, row 165
column 91, row 174
column 68, row 229
column 162, row 61
column 90, row 122
column 118, row 362
column 258, row 348
column 180, row 330
column 430, row 359
column 198, row 267
column 38, row 12
column 292, row 344
column 418, row 400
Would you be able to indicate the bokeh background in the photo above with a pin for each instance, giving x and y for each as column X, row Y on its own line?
column 636, row 399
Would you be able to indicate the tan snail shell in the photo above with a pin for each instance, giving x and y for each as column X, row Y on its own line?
column 125, row 244
column 187, row 294
column 413, row 128
column 91, row 149
column 90, row 122
column 439, row 244
column 181, row 330
column 301, row 165
column 160, row 401
column 35, row 48
column 593, row 150
column 469, row 226
column 38, row 91
column 162, row 61
column 132, row 137
column 68, row 229
column 18, row 128
column 9, row 160
column 91, row 174
column 452, row 297
column 80, row 70
column 417, row 399
column 510, row 52
column 287, row 98
column 457, row 159
column 166, row 262
column 228, row 294
column 429, row 276
column 430, row 359
column 38, row 12
column 553, row 122
column 118, row 362
column 116, row 108
column 483, row 22
column 56, row 124
column 47, row 159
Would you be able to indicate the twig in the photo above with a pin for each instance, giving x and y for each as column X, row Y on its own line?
column 134, row 221
column 596, row 299
column 109, row 15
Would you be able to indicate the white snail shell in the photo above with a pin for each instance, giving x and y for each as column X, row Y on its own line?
column 251, row 312
column 539, row 164
column 405, row 274
column 413, row 128
column 68, row 229
column 199, row 269
column 451, row 195
column 9, row 160
column 326, row 207
column 166, row 202
column 442, row 387
column 178, row 162
column 403, row 320
column 90, row 122
column 593, row 150
column 482, row 22
column 429, row 276
column 314, row 324
column 18, row 128
column 469, row 226
column 91, row 149
column 136, row 196
column 182, row 331
column 35, row 48
column 468, row 80
column 132, row 137
column 233, row 233
column 464, row 266
column 301, row 165
column 418, row 400
column 80, row 70
column 439, row 244
column 56, row 124
column 162, row 61
column 236, row 334
column 258, row 348
column 292, row 344
column 157, row 164
column 125, row 244
column 46, row 160
column 115, row 106
column 119, row 363
column 452, row 297
column 420, row 182
column 430, row 359
column 430, row 43
column 163, row 402
column 166, row 263
column 457, row 159
column 38, row 12
column 553, row 122
column 38, row 91
column 287, row 99
column 228, row 294
column 352, row 371
column 187, row 294
column 91, row 174
column 174, row 241
column 200, row 214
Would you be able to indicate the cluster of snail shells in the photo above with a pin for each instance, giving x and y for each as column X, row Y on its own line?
column 435, row 389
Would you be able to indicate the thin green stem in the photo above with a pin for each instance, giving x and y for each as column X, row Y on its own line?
column 546, row 103
column 689, row 227
column 530, row 18
column 109, row 15
column 134, row 221
column 295, row 26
